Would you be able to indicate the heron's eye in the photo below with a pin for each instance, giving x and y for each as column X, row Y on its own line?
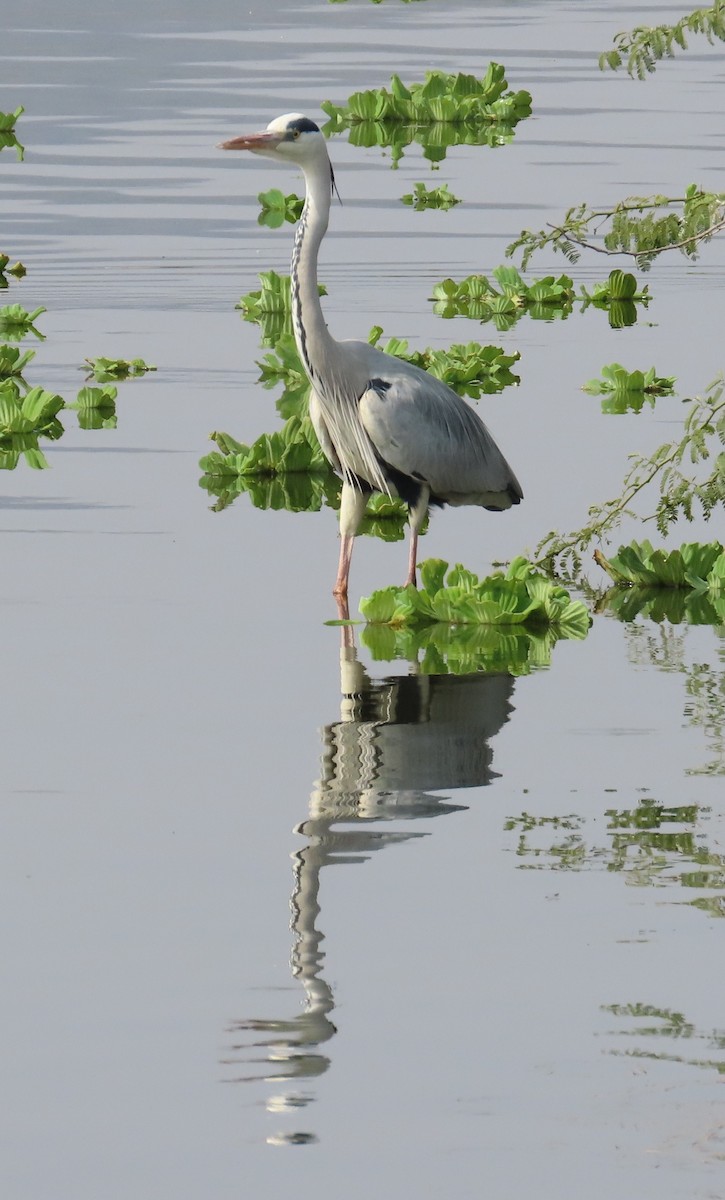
column 295, row 134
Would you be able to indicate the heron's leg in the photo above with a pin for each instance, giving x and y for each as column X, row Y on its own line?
column 416, row 517
column 352, row 507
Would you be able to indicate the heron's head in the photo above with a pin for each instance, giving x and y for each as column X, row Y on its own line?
column 291, row 138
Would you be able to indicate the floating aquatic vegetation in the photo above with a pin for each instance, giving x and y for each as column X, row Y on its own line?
column 283, row 365
column 294, row 448
column 456, row 596
column 8, row 137
column 441, row 649
column 619, row 295
column 16, row 322
column 626, row 391
column 278, row 208
column 105, row 370
column 698, row 565
column 96, row 407
column 446, row 110
column 270, row 306
column 13, row 361
column 386, row 517
column 23, row 420
column 646, row 45
column 469, row 369
column 476, row 297
column 423, row 197
column 17, row 270
column 639, row 226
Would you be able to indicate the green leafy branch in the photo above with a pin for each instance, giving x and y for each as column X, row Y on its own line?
column 634, row 228
column 644, row 46
column 681, row 492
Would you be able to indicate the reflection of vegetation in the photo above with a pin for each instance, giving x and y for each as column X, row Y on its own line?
column 8, row 138
column 668, row 1024
column 446, row 110
column 105, row 370
column 456, row 596
column 13, row 360
column 278, row 208
column 680, row 493
column 626, row 391
column 463, row 649
column 423, row 197
column 640, row 226
column 651, row 845
column 646, row 45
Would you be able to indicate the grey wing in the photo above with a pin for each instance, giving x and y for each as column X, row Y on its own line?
column 424, row 430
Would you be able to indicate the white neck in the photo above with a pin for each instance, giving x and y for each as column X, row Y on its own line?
column 314, row 343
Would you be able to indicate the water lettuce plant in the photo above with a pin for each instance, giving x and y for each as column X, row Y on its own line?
column 16, row 322
column 645, row 46
column 618, row 295
column 626, row 391
column 423, row 197
column 639, row 226
column 446, row 110
column 104, row 370
column 8, row 137
column 477, row 297
column 294, row 448
column 13, row 361
column 270, row 306
column 23, row 420
column 17, row 270
column 278, row 208
column 695, row 565
column 456, row 596
column 96, row 407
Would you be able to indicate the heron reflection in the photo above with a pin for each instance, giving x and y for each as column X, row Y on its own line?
column 398, row 740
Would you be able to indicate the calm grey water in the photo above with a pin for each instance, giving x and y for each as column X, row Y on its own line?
column 186, row 992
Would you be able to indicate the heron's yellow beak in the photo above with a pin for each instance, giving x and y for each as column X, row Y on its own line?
column 253, row 141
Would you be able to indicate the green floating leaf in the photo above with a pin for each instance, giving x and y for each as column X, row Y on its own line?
column 96, row 407
column 278, row 208
column 270, row 306
column 16, row 322
column 477, row 297
column 446, row 110
column 8, row 138
column 13, row 360
column 24, row 419
column 521, row 596
column 423, row 197
column 104, row 370
column 626, row 390
column 695, row 565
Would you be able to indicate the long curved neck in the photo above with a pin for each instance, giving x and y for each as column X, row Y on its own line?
column 314, row 343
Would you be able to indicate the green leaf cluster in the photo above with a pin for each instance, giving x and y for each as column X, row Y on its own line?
column 456, row 596
column 270, row 307
column 626, row 391
column 469, row 369
column 477, row 297
column 618, row 294
column 278, row 208
column 13, row 361
column 96, row 407
column 446, row 110
column 8, row 138
column 16, row 322
column 292, row 449
column 422, row 197
column 386, row 517
column 695, row 565
column 105, row 370
column 24, row 419
column 645, row 46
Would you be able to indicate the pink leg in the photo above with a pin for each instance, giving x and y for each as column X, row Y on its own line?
column 343, row 571
column 412, row 558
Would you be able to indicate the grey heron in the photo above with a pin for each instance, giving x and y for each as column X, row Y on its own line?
column 384, row 424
